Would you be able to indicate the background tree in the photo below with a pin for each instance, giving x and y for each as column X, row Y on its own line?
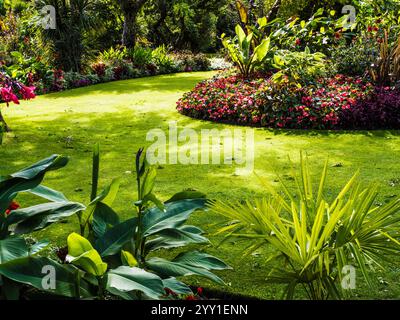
column 130, row 10
column 73, row 18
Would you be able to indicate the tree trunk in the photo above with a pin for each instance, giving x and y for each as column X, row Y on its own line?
column 3, row 122
column 273, row 13
column 129, row 33
column 130, row 9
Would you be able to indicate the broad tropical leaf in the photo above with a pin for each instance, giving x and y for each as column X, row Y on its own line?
column 13, row 248
column 40, row 216
column 33, row 271
column 126, row 279
column 103, row 219
column 82, row 254
column 176, row 214
column 188, row 263
column 27, row 179
column 115, row 238
column 176, row 286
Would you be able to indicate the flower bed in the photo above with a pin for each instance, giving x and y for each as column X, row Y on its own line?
column 340, row 102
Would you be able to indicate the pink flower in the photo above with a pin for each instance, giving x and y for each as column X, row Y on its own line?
column 8, row 96
column 28, row 92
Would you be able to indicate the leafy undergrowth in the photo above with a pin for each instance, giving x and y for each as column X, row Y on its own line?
column 118, row 115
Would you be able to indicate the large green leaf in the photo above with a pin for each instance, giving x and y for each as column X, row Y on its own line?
column 115, row 238
column 33, row 270
column 176, row 214
column 186, row 195
column 261, row 51
column 190, row 263
column 176, row 286
column 82, row 254
column 167, row 269
column 27, row 179
column 240, row 34
column 40, row 216
column 201, row 259
column 106, row 197
column 103, row 218
column 174, row 238
column 125, row 279
column 148, row 181
column 128, row 259
column 48, row 194
column 13, row 248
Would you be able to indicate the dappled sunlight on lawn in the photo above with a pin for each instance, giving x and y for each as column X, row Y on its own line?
column 119, row 115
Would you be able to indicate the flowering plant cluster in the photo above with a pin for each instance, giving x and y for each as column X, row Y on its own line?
column 261, row 102
column 226, row 99
column 12, row 90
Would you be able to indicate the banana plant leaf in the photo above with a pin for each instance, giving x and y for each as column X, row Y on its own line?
column 126, row 279
column 176, row 213
column 40, row 216
column 33, row 271
column 27, row 179
column 188, row 263
column 115, row 238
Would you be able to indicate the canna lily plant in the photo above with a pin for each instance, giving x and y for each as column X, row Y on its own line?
column 244, row 52
column 114, row 256
column 313, row 238
column 20, row 263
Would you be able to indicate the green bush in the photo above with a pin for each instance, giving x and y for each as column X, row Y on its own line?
column 299, row 68
column 113, row 57
column 187, row 62
column 140, row 56
column 162, row 60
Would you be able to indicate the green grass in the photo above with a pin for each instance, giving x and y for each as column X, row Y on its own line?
column 119, row 114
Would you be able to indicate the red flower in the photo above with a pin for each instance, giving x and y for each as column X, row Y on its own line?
column 28, row 92
column 190, row 298
column 8, row 96
column 369, row 29
column 199, row 291
column 13, row 206
column 298, row 42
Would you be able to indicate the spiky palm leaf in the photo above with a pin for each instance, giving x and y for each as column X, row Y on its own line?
column 317, row 238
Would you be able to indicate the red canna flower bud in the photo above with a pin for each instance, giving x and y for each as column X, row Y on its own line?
column 13, row 206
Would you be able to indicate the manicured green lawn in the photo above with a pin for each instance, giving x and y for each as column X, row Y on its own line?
column 118, row 115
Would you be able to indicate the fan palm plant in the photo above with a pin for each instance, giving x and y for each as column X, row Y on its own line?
column 73, row 19
column 316, row 238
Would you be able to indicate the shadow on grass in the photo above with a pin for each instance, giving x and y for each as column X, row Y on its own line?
column 162, row 83
column 305, row 132
column 327, row 133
